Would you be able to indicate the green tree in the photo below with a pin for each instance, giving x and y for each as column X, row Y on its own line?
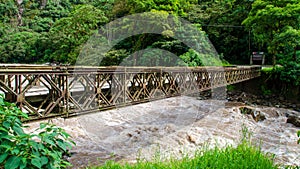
column 8, row 10
column 19, row 47
column 221, row 20
column 270, row 20
column 127, row 7
column 68, row 34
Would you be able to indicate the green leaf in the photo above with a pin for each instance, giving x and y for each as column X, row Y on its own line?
column 15, row 151
column 49, row 142
column 44, row 160
column 6, row 146
column 6, row 124
column 43, row 125
column 36, row 162
column 34, row 145
column 62, row 145
column 13, row 162
column 3, row 157
column 18, row 130
column 3, row 129
column 23, row 163
column 65, row 134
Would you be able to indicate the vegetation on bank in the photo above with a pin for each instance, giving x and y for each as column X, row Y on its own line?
column 282, row 80
column 43, row 148
column 244, row 155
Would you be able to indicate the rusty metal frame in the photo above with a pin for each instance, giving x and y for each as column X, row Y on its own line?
column 47, row 91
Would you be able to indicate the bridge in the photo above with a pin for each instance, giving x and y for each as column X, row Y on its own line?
column 47, row 91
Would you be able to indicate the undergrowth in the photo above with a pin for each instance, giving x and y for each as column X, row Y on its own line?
column 44, row 148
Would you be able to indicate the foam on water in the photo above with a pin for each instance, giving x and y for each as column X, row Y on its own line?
column 175, row 127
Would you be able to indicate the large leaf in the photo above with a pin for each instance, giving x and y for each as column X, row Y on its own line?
column 44, row 160
column 3, row 157
column 18, row 129
column 49, row 141
column 23, row 163
column 43, row 125
column 13, row 162
column 36, row 162
column 62, row 145
column 6, row 124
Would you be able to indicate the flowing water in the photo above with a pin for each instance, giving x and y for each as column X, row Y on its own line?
column 175, row 127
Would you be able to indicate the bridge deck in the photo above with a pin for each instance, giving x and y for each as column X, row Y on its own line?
column 45, row 91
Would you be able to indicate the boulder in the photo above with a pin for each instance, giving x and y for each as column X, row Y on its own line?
column 256, row 115
column 294, row 119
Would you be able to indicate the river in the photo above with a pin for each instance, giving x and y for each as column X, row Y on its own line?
column 174, row 127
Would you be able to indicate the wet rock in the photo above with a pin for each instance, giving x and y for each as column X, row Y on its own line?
column 294, row 119
column 240, row 99
column 201, row 98
column 191, row 139
column 234, row 104
column 256, row 115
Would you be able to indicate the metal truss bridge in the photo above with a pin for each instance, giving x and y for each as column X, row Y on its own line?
column 47, row 91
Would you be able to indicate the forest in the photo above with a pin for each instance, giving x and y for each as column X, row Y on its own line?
column 56, row 31
column 146, row 33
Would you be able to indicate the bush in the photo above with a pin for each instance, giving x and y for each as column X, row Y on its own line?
column 289, row 73
column 21, row 150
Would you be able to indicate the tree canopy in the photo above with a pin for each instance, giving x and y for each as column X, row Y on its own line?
column 275, row 24
column 58, row 31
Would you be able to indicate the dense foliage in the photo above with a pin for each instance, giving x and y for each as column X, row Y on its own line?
column 275, row 24
column 44, row 148
column 56, row 31
column 40, row 31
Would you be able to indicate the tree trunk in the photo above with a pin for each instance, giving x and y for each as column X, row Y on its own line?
column 20, row 12
column 274, row 60
column 43, row 4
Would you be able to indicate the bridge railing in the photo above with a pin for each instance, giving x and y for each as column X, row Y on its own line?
column 45, row 91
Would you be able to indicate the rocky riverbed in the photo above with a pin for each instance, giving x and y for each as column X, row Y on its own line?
column 271, row 100
column 178, row 126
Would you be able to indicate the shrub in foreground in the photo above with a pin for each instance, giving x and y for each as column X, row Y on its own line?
column 43, row 148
